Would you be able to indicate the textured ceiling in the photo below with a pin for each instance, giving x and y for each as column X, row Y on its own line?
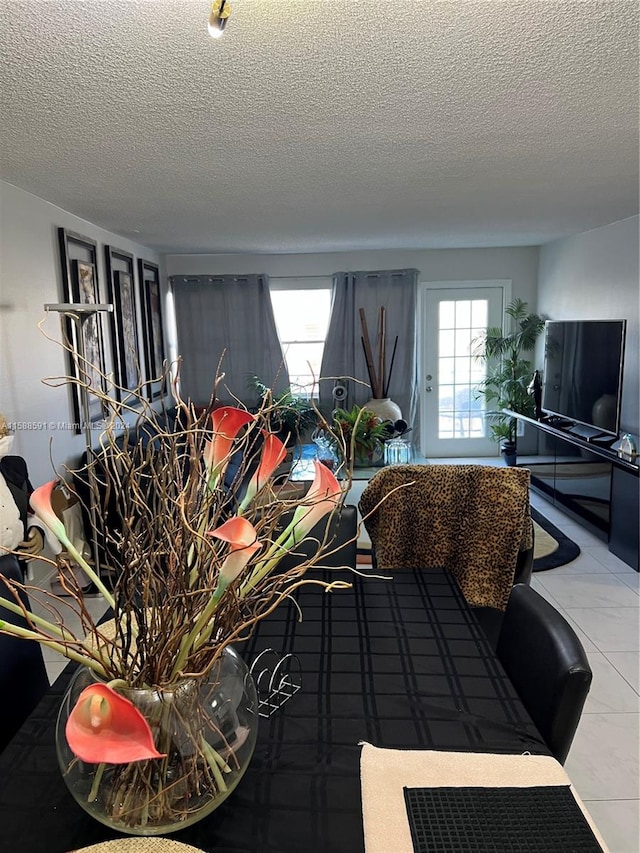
column 325, row 126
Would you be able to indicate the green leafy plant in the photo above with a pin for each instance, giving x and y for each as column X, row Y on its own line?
column 361, row 430
column 289, row 416
column 509, row 372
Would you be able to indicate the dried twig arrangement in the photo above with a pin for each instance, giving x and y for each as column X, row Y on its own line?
column 192, row 523
column 379, row 378
column 158, row 509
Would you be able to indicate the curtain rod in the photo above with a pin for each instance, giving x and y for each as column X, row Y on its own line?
column 298, row 277
column 222, row 275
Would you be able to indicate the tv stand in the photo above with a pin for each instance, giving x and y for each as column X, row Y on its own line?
column 603, row 440
column 589, row 482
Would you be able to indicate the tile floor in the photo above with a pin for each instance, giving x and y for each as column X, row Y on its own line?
column 600, row 596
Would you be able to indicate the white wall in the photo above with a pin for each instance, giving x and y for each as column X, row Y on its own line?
column 518, row 264
column 30, row 276
column 595, row 276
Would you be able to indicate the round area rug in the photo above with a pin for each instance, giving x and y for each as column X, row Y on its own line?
column 551, row 547
column 544, row 543
column 139, row 845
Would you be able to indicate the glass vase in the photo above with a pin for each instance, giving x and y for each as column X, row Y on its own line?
column 207, row 728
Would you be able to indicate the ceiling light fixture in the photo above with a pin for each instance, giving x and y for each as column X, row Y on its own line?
column 220, row 11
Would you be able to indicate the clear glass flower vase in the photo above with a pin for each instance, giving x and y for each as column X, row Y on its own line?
column 208, row 730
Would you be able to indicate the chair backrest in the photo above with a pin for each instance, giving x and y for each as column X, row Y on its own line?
column 23, row 677
column 341, row 535
column 473, row 520
column 547, row 665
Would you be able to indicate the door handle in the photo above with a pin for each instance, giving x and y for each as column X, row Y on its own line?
column 428, row 388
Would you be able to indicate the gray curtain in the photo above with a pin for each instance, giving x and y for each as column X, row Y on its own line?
column 396, row 290
column 231, row 315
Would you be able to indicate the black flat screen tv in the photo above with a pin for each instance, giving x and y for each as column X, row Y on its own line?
column 583, row 372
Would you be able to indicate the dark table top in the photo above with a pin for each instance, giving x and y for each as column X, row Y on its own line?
column 400, row 664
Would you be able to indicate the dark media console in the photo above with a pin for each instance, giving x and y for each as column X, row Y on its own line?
column 591, row 434
column 589, row 481
column 602, row 440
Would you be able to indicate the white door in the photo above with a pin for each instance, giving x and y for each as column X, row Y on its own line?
column 454, row 314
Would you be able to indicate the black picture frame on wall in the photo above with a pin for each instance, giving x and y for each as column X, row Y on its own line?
column 80, row 282
column 154, row 348
column 124, row 320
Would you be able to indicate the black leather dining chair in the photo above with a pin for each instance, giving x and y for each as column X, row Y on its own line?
column 341, row 535
column 23, row 676
column 547, row 665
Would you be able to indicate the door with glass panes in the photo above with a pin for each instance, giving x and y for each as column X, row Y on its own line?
column 453, row 421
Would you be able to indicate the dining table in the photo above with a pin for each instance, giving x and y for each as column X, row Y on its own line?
column 395, row 662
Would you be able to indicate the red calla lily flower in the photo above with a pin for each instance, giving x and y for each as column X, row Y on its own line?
column 104, row 727
column 325, row 492
column 40, row 501
column 273, row 452
column 227, row 421
column 242, row 536
column 237, row 531
column 208, row 455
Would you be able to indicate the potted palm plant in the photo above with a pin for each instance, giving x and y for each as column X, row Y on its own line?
column 509, row 373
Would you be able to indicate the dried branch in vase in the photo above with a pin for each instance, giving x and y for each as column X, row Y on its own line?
column 191, row 527
column 191, row 521
column 379, row 375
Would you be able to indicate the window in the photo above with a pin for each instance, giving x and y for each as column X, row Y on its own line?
column 301, row 309
column 461, row 414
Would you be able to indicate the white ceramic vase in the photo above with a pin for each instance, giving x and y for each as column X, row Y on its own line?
column 384, row 408
column 604, row 411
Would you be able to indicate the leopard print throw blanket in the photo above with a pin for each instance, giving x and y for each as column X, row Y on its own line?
column 470, row 519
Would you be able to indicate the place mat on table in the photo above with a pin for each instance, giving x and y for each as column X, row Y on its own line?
column 139, row 845
column 543, row 819
column 385, row 773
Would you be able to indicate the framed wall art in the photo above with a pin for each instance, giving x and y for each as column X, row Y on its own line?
column 151, row 304
column 124, row 320
column 78, row 256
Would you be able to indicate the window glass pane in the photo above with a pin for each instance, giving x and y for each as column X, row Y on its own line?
column 301, row 315
column 446, row 370
column 462, row 369
column 477, row 336
column 447, row 343
column 477, row 370
column 302, row 319
column 463, row 341
column 462, row 398
column 445, row 398
column 479, row 313
column 463, row 426
column 303, row 362
column 447, row 315
column 461, row 413
column 463, row 313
